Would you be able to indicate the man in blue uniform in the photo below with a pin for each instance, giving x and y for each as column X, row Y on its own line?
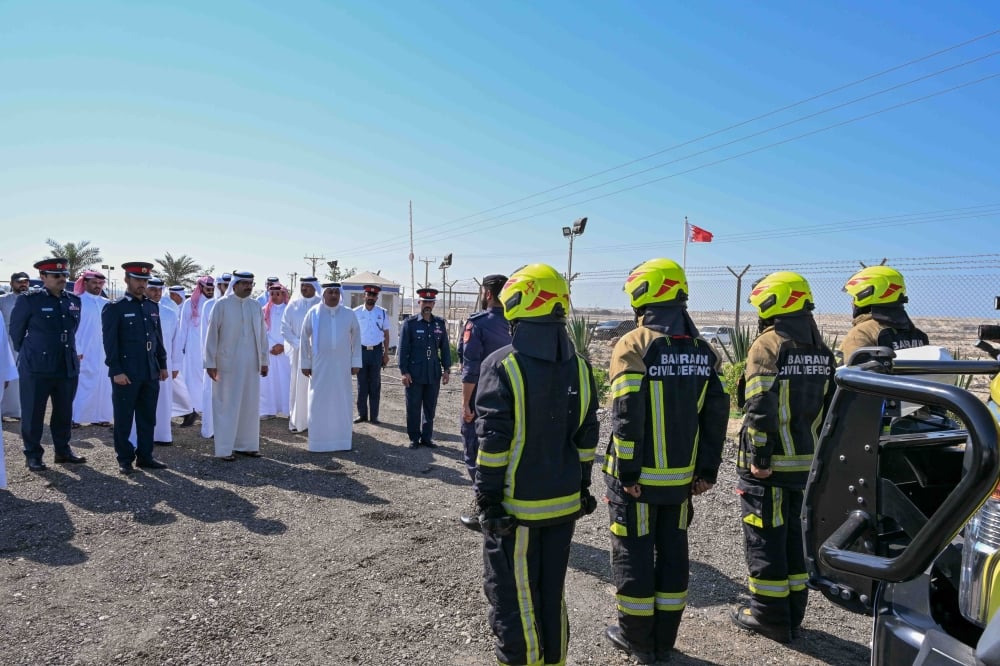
column 374, row 323
column 485, row 332
column 137, row 363
column 43, row 332
column 425, row 362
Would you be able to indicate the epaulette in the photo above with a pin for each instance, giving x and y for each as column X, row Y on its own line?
column 477, row 315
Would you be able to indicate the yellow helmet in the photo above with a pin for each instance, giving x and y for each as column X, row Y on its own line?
column 780, row 293
column 656, row 281
column 533, row 291
column 876, row 285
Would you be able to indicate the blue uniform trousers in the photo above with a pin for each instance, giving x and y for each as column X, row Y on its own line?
column 370, row 383
column 421, row 403
column 35, row 393
column 523, row 578
column 137, row 400
column 471, row 442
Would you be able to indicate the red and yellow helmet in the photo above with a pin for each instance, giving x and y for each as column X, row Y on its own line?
column 780, row 293
column 656, row 281
column 876, row 285
column 534, row 291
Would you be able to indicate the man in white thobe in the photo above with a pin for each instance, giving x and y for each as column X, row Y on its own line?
column 291, row 329
column 192, row 367
column 236, row 358
column 8, row 373
column 10, row 404
column 169, row 320
column 92, row 402
column 330, row 355
column 207, row 419
column 274, row 388
column 181, row 405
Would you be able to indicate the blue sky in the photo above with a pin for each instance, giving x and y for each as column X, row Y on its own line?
column 249, row 135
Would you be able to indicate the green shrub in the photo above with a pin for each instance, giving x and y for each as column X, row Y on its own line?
column 603, row 384
column 579, row 332
column 455, row 360
column 731, row 373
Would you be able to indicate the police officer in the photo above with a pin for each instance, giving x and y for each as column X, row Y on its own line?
column 425, row 362
column 668, row 425
column 880, row 320
column 484, row 333
column 536, row 417
column 785, row 393
column 374, row 323
column 137, row 363
column 43, row 331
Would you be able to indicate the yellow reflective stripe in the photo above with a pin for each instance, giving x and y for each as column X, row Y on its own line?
column 625, row 383
column 753, row 519
column 619, row 530
column 682, row 522
column 677, row 476
column 797, row 582
column 587, row 455
column 522, row 586
column 800, row 463
column 757, row 437
column 641, row 606
column 818, row 421
column 517, row 444
column 624, row 449
column 777, row 517
column 759, row 384
column 584, row 396
column 697, row 431
column 785, row 419
column 487, row 459
column 641, row 518
column 659, row 429
column 671, row 601
column 555, row 507
column 563, row 633
column 768, row 588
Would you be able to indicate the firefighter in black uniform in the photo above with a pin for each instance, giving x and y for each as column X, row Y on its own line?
column 880, row 320
column 668, row 425
column 536, row 417
column 43, row 331
column 425, row 363
column 785, row 393
column 137, row 363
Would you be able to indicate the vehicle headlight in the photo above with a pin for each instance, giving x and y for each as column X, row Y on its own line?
column 979, row 587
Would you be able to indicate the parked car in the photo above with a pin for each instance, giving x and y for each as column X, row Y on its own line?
column 720, row 335
column 613, row 328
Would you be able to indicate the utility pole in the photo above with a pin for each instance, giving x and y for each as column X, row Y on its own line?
column 445, row 263
column 291, row 281
column 739, row 293
column 313, row 261
column 413, row 287
column 427, row 270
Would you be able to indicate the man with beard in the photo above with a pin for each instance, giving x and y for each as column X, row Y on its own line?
column 137, row 363
column 425, row 363
column 235, row 359
column 291, row 330
column 330, row 354
column 10, row 404
column 92, row 403
column 374, row 322
column 274, row 388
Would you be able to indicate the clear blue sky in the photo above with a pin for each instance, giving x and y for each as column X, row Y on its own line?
column 249, row 135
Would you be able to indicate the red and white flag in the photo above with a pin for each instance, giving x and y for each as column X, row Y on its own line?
column 699, row 235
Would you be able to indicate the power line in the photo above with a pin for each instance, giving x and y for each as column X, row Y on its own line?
column 787, row 107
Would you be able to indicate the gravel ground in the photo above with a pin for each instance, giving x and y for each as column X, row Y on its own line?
column 307, row 558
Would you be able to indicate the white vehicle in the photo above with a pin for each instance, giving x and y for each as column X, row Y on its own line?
column 719, row 335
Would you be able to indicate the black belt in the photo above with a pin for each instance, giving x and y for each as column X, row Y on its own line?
column 371, row 347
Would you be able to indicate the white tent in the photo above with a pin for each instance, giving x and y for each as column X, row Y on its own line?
column 390, row 298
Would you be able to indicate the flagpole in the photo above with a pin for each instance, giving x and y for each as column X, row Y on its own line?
column 687, row 234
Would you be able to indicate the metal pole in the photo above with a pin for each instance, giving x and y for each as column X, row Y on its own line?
column 569, row 270
column 413, row 289
column 684, row 260
column 739, row 291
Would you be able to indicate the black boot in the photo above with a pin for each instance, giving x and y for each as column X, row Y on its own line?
column 470, row 519
column 614, row 634
column 744, row 619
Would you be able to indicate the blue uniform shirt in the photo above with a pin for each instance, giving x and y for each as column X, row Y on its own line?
column 485, row 332
column 43, row 332
column 423, row 349
column 133, row 339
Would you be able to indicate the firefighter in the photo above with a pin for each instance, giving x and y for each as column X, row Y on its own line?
column 880, row 320
column 536, row 419
column 668, row 425
column 785, row 392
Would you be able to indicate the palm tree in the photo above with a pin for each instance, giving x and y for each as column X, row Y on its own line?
column 80, row 256
column 183, row 270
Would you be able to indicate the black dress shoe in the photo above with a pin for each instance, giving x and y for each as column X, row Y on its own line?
column 69, row 458
column 188, row 419
column 75, row 425
column 374, row 421
column 471, row 522
column 744, row 619
column 361, row 419
column 429, row 444
column 151, row 464
column 125, row 469
column 614, row 635
column 155, row 443
column 414, row 445
column 37, row 466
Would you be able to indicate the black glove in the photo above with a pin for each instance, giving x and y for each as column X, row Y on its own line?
column 588, row 503
column 497, row 522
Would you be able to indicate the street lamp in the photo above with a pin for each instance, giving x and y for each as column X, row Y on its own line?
column 111, row 283
column 445, row 264
column 571, row 233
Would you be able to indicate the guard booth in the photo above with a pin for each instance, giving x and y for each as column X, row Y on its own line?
column 390, row 298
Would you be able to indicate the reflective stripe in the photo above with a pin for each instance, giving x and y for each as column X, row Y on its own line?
column 641, row 519
column 675, row 477
column 584, row 396
column 659, row 430
column 563, row 633
column 624, row 449
column 800, row 463
column 671, row 601
column 797, row 582
column 818, row 421
column 768, row 588
column 587, row 455
column 758, row 384
column 785, row 419
column 682, row 522
column 555, row 507
column 618, row 529
column 517, row 444
column 641, row 606
column 625, row 383
column 753, row 519
column 777, row 517
column 487, row 459
column 522, row 585
column 758, row 437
